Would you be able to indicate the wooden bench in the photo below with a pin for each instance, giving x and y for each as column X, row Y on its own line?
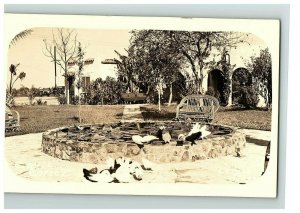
column 197, row 108
column 12, row 120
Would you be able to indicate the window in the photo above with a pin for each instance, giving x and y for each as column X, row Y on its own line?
column 85, row 83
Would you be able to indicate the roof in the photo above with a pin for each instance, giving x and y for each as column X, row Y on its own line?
column 87, row 61
column 109, row 61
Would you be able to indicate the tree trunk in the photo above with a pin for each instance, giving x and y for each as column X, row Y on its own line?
column 67, row 86
column 159, row 100
column 10, row 85
column 171, row 95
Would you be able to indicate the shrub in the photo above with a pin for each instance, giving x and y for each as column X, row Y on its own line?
column 248, row 97
column 39, row 101
column 75, row 100
column 31, row 95
column 210, row 91
column 62, row 99
column 10, row 100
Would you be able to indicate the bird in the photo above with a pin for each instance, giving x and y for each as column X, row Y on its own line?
column 78, row 127
column 112, row 165
column 141, row 140
column 193, row 135
column 136, row 170
column 159, row 133
column 128, row 170
column 167, row 137
column 122, row 174
column 147, row 165
column 110, row 162
column 204, row 132
column 103, row 176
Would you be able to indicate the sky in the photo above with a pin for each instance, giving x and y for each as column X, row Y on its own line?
column 100, row 45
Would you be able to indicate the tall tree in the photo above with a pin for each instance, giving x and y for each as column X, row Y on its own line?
column 155, row 63
column 261, row 68
column 65, row 42
column 80, row 64
column 125, row 70
column 13, row 68
column 14, row 76
column 198, row 47
column 194, row 48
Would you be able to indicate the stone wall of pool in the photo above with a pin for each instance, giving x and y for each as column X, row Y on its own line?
column 95, row 143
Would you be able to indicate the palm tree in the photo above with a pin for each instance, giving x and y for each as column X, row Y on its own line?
column 19, row 36
column 13, row 72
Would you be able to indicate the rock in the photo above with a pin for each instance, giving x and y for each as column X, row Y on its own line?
column 132, row 149
column 97, row 137
column 185, row 156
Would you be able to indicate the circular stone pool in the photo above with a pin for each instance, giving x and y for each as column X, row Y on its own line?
column 94, row 143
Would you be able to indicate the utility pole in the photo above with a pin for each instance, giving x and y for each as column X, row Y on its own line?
column 54, row 60
column 55, row 65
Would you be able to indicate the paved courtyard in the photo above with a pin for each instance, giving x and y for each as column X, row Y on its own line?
column 23, row 154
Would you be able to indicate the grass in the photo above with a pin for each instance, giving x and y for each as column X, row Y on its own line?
column 250, row 119
column 36, row 119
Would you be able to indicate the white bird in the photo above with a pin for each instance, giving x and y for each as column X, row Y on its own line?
column 102, row 177
column 193, row 135
column 122, row 174
column 196, row 128
column 138, row 173
column 204, row 132
column 141, row 140
column 110, row 163
column 121, row 160
column 148, row 165
column 136, row 170
column 166, row 137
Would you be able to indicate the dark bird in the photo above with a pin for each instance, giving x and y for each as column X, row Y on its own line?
column 89, row 173
column 193, row 135
column 159, row 133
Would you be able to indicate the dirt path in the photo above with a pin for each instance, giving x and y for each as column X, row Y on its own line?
column 24, row 155
column 132, row 113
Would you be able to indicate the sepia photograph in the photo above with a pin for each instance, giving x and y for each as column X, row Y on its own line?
column 141, row 105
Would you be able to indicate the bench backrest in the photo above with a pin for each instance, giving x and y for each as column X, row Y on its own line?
column 198, row 108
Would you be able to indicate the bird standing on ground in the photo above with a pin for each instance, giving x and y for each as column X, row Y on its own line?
column 159, row 133
column 167, row 137
column 147, row 165
column 103, row 177
column 196, row 133
column 204, row 132
column 141, row 140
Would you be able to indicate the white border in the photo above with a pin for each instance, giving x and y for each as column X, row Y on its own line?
column 268, row 30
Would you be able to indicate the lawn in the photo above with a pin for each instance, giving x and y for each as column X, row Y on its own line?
column 41, row 118
column 250, row 119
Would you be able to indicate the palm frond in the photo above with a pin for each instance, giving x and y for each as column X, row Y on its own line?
column 19, row 36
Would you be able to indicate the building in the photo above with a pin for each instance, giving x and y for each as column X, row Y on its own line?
column 79, row 86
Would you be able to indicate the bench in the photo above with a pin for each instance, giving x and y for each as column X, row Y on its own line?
column 197, row 108
column 12, row 120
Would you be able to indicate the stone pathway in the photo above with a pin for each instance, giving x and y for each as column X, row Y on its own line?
column 25, row 159
column 132, row 113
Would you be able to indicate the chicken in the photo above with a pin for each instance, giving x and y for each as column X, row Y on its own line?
column 167, row 137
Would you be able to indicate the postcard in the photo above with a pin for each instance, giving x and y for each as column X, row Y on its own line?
column 141, row 105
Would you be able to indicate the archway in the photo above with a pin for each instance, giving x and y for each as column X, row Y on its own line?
column 215, row 85
column 241, row 77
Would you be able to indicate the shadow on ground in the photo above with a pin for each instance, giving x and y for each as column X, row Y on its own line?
column 151, row 113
